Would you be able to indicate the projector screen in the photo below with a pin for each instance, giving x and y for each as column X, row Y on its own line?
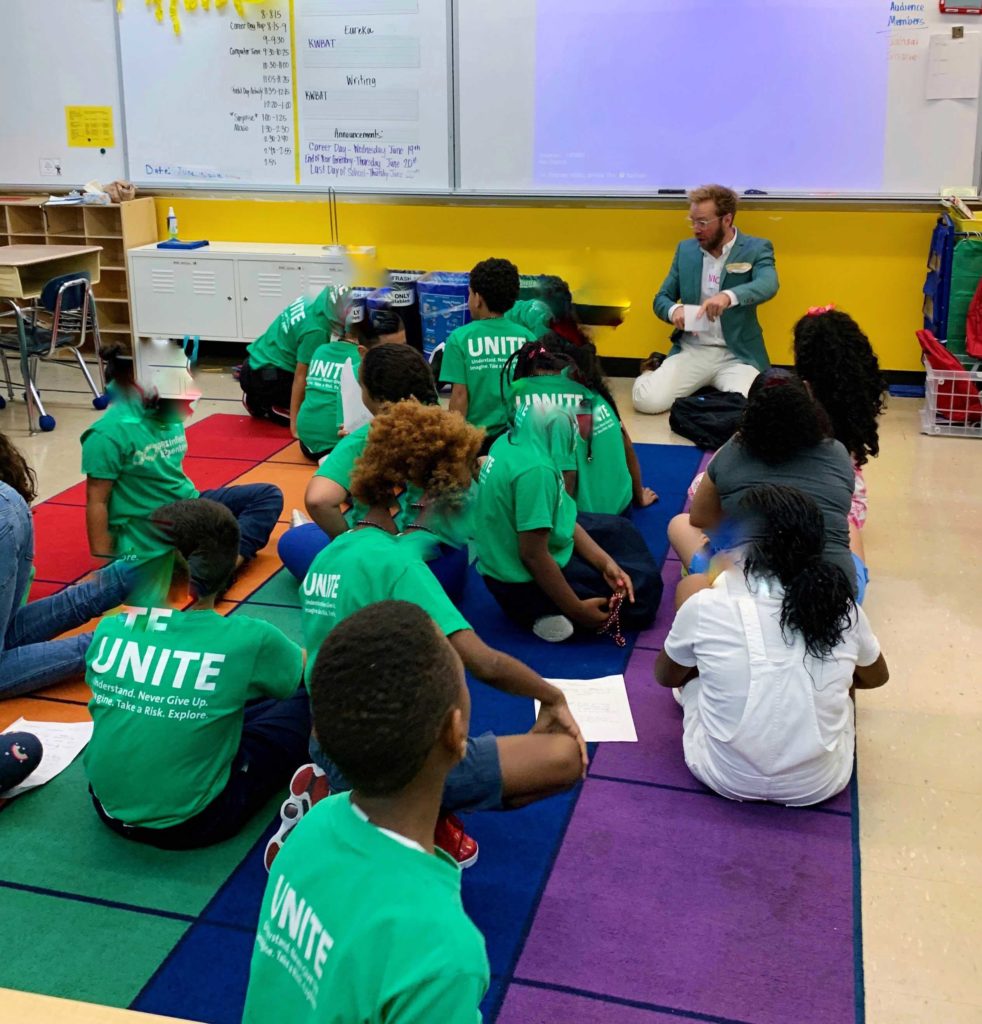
column 783, row 96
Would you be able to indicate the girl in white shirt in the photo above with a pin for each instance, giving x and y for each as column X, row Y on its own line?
column 765, row 657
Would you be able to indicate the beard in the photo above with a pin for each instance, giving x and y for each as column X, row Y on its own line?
column 716, row 240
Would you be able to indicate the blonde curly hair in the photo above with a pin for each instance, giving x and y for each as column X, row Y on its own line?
column 424, row 445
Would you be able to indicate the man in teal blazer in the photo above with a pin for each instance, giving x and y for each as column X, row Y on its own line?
column 726, row 274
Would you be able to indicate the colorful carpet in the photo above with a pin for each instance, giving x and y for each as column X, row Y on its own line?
column 638, row 898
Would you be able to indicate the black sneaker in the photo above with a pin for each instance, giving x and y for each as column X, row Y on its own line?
column 20, row 754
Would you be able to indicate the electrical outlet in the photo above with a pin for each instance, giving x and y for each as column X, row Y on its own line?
column 50, row 167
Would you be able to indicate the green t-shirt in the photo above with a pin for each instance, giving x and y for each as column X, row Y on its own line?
column 361, row 925
column 603, row 479
column 168, row 693
column 533, row 314
column 296, row 333
column 319, row 416
column 474, row 356
column 360, row 568
column 339, row 466
column 521, row 488
column 143, row 455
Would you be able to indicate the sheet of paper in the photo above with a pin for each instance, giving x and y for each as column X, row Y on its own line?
column 89, row 127
column 953, row 67
column 352, row 407
column 694, row 323
column 62, row 743
column 600, row 707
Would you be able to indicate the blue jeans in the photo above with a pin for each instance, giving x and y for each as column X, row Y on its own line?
column 474, row 784
column 300, row 545
column 274, row 744
column 29, row 658
column 257, row 508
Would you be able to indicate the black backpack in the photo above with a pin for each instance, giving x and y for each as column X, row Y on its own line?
column 709, row 417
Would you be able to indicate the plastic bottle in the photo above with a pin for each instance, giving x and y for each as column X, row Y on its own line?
column 171, row 223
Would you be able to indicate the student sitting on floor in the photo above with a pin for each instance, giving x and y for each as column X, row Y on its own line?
column 276, row 362
column 476, row 352
column 133, row 458
column 319, row 418
column 765, row 657
column 29, row 658
column 371, row 562
column 388, row 373
column 549, row 572
column 783, row 438
column 835, row 359
column 603, row 474
column 384, row 934
column 183, row 752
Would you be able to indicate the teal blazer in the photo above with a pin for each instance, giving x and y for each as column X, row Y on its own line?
column 744, row 338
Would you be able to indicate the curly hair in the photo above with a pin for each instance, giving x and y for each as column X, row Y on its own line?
column 788, row 541
column 552, row 353
column 835, row 357
column 724, row 199
column 393, row 372
column 497, row 282
column 781, row 418
column 424, row 445
column 380, row 690
column 15, row 472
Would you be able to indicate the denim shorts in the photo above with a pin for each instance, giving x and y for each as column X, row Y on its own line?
column 473, row 785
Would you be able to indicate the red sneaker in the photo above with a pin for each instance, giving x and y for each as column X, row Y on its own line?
column 308, row 786
column 451, row 838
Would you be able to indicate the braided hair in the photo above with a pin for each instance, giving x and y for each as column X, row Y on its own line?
column 781, row 418
column 787, row 543
column 552, row 354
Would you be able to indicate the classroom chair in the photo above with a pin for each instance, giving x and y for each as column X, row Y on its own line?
column 65, row 313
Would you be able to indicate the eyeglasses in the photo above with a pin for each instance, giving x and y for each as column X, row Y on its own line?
column 701, row 222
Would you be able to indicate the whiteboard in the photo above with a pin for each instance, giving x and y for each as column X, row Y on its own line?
column 43, row 39
column 352, row 94
column 616, row 97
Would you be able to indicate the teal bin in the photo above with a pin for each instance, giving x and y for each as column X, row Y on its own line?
column 442, row 307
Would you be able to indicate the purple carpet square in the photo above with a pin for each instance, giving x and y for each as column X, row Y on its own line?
column 657, row 756
column 526, row 1004
column 653, row 637
column 687, row 901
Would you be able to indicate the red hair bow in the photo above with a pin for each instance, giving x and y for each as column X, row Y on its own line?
column 819, row 310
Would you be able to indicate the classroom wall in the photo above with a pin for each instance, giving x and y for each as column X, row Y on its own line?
column 870, row 264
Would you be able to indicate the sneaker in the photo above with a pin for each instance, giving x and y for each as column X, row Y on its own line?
column 554, row 629
column 451, row 838
column 298, row 518
column 20, row 754
column 308, row 786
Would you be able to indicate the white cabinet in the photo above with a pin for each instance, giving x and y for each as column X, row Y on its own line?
column 227, row 291
column 183, row 295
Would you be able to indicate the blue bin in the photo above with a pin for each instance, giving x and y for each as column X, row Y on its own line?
column 442, row 306
column 402, row 299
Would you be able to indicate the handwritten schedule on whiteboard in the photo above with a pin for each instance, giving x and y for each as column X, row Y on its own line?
column 372, row 92
column 317, row 93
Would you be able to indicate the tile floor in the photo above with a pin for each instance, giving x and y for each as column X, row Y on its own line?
column 920, row 737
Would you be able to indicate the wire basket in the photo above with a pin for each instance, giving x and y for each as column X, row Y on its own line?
column 954, row 403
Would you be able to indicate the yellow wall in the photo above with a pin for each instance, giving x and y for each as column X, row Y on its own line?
column 870, row 264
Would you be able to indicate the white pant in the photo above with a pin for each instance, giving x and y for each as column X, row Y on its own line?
column 696, row 366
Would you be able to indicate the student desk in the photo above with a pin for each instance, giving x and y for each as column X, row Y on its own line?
column 26, row 269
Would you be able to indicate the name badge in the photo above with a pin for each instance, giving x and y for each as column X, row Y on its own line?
column 738, row 268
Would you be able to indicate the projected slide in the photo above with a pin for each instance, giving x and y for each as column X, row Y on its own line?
column 636, row 94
